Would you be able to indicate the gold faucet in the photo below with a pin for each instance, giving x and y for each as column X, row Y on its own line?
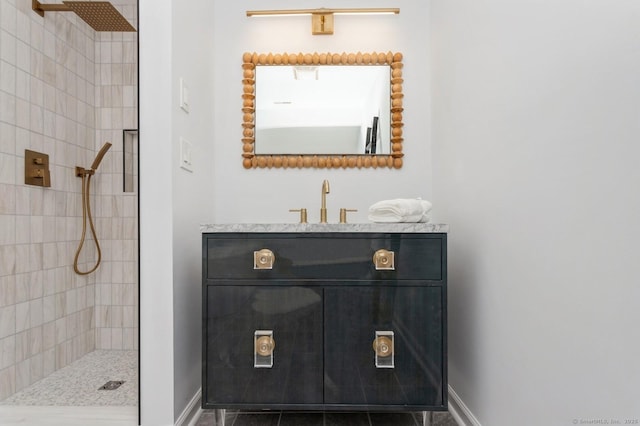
column 323, row 208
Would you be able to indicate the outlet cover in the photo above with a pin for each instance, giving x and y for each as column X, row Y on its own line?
column 186, row 150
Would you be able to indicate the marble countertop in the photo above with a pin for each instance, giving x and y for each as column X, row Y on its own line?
column 326, row 227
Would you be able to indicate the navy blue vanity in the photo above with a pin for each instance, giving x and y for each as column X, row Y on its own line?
column 325, row 317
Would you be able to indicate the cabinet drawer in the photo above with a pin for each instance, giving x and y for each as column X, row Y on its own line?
column 337, row 256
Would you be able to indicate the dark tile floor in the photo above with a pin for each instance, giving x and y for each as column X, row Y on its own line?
column 292, row 418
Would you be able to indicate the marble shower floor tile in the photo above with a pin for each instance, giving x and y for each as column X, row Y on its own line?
column 77, row 384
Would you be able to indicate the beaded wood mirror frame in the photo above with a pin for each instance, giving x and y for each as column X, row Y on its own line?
column 252, row 160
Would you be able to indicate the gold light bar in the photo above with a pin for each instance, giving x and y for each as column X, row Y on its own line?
column 322, row 19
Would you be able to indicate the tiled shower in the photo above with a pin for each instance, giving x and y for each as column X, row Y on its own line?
column 65, row 90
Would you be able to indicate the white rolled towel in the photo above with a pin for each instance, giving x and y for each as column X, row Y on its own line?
column 400, row 210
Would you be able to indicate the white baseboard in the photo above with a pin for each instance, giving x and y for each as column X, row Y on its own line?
column 459, row 410
column 192, row 412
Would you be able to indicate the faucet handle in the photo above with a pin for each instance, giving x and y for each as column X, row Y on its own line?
column 343, row 214
column 303, row 214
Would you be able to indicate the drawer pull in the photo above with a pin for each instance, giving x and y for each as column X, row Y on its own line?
column 263, row 259
column 263, row 345
column 384, row 349
column 383, row 346
column 384, row 260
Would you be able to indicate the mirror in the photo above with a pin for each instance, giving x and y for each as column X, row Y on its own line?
column 322, row 110
column 331, row 109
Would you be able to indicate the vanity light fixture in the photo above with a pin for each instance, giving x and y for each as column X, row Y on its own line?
column 322, row 18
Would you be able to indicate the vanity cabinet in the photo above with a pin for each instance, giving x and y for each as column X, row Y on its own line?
column 317, row 325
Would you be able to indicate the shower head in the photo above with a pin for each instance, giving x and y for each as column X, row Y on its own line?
column 101, row 154
column 100, row 15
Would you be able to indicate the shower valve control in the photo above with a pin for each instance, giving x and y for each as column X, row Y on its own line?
column 36, row 169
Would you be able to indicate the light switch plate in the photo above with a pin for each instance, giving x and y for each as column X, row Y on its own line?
column 184, row 96
column 186, row 150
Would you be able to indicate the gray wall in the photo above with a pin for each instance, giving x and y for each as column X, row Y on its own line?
column 536, row 169
column 176, row 42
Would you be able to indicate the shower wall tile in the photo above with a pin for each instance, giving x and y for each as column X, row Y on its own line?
column 36, row 286
column 23, row 202
column 22, row 85
column 61, row 356
column 23, row 317
column 48, row 361
column 22, row 287
column 36, row 226
column 50, row 254
column 22, row 113
column 7, row 260
column 7, row 229
column 23, row 28
column 7, row 78
column 7, row 291
column 7, row 352
column 129, row 340
column 61, row 330
column 8, row 107
column 7, row 168
column 7, row 382
column 37, row 367
column 35, row 257
column 22, row 346
column 8, row 15
column 35, row 341
column 23, row 374
column 81, row 299
column 35, row 313
column 7, row 137
column 49, row 124
column 7, row 46
column 7, row 199
column 23, row 58
column 22, row 258
column 116, row 338
column 49, row 283
column 48, row 309
column 36, row 90
column 7, row 321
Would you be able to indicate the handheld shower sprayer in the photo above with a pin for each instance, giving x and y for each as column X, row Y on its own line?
column 101, row 154
column 86, row 174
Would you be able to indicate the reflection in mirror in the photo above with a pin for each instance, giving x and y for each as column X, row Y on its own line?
column 322, row 110
column 333, row 109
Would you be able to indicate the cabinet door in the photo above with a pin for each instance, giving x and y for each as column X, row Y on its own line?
column 233, row 315
column 415, row 317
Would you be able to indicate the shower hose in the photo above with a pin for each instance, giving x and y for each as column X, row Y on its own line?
column 86, row 210
column 86, row 213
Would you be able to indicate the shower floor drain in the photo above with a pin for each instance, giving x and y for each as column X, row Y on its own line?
column 111, row 385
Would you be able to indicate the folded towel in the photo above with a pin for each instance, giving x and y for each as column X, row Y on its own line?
column 400, row 210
